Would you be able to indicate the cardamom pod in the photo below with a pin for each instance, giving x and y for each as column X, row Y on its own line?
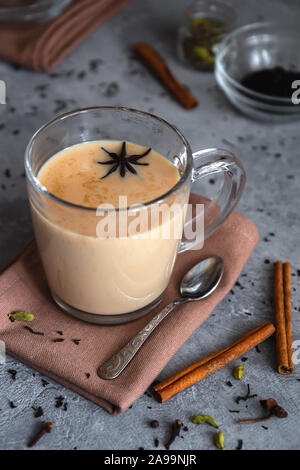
column 220, row 440
column 202, row 419
column 22, row 316
column 239, row 372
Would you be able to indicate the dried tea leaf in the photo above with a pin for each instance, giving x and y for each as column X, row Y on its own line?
column 33, row 331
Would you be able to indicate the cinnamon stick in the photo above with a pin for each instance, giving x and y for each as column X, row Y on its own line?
column 283, row 317
column 198, row 371
column 157, row 65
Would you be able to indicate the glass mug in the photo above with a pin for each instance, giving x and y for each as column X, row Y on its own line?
column 113, row 280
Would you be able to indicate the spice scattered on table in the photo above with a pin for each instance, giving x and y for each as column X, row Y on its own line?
column 154, row 424
column 159, row 67
column 33, row 331
column 59, row 401
column 111, row 90
column 239, row 372
column 13, row 373
column 38, row 412
column 94, row 65
column 46, row 428
column 21, row 316
column 198, row 371
column 220, row 440
column 240, row 445
column 175, row 432
column 283, row 317
column 202, row 419
column 246, row 397
column 272, row 407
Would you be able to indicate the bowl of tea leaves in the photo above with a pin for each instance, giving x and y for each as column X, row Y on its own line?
column 258, row 69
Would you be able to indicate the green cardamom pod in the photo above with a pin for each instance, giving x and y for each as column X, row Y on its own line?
column 239, row 372
column 201, row 419
column 220, row 440
column 22, row 316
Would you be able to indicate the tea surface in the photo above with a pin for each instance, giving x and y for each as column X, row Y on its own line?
column 75, row 174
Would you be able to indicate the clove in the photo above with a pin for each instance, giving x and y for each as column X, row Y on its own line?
column 274, row 409
column 46, row 428
column 176, row 426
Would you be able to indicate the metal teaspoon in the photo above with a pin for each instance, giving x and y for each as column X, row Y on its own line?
column 199, row 282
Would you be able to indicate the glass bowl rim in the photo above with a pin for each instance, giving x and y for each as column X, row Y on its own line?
column 209, row 3
column 136, row 207
column 30, row 8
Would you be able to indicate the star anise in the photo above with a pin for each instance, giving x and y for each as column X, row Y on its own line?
column 123, row 161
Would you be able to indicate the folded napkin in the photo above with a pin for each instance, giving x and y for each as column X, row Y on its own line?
column 42, row 46
column 23, row 287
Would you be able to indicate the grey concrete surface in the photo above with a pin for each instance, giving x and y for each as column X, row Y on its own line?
column 271, row 156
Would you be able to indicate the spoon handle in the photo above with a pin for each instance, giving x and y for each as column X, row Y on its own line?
column 112, row 368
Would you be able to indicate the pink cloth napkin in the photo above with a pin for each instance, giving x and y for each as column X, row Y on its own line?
column 24, row 287
column 42, row 46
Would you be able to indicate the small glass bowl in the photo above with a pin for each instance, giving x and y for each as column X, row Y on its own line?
column 31, row 10
column 256, row 47
column 204, row 26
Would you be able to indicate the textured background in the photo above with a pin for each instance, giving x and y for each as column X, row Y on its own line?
column 271, row 156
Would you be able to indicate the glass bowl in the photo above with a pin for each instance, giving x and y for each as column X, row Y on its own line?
column 256, row 47
column 31, row 10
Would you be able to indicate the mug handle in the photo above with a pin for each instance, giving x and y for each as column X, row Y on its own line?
column 210, row 162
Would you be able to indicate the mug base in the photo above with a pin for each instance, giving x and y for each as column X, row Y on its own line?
column 106, row 319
